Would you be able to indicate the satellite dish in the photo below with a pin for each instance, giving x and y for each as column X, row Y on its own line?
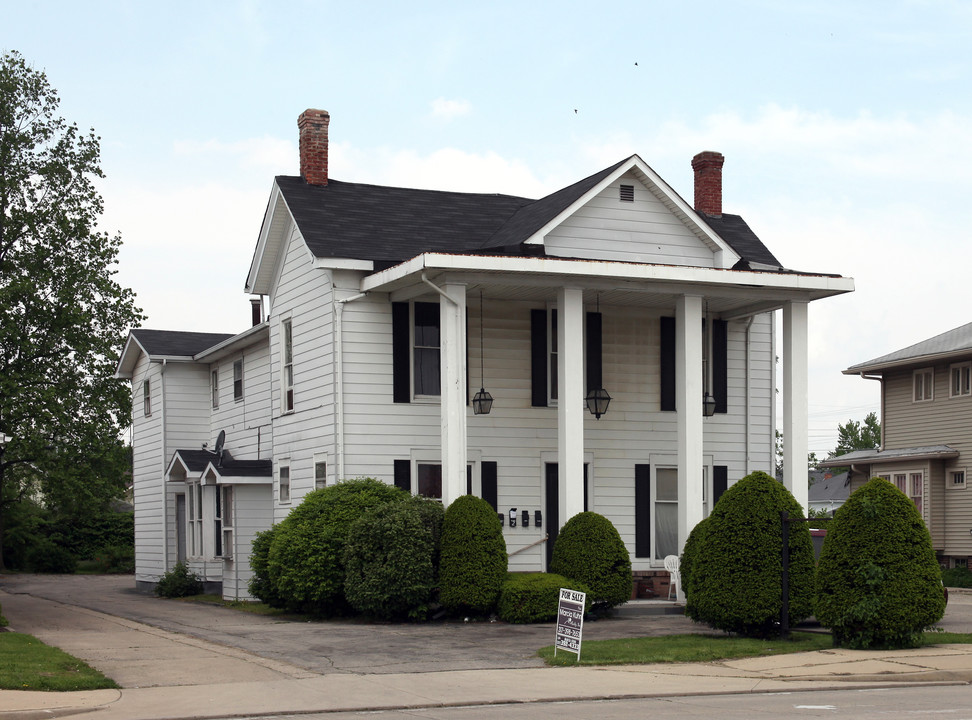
column 220, row 441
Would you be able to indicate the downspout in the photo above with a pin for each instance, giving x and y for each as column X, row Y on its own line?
column 165, row 489
column 339, row 380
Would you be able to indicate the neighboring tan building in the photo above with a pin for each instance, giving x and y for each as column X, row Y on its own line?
column 380, row 310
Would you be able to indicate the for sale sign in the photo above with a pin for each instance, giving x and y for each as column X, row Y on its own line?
column 570, row 621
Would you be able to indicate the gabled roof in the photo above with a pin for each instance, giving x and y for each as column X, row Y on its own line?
column 164, row 345
column 208, row 466
column 388, row 225
column 941, row 347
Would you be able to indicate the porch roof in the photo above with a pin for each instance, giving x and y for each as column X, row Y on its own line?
column 729, row 293
column 898, row 455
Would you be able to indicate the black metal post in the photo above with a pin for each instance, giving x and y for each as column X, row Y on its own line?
column 785, row 576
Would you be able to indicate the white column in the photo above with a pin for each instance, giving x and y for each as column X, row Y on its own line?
column 452, row 352
column 795, row 401
column 688, row 403
column 570, row 401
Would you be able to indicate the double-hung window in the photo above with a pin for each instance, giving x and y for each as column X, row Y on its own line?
column 320, row 471
column 924, row 383
column 194, row 519
column 283, row 484
column 147, row 398
column 960, row 380
column 426, row 370
column 238, row 379
column 223, row 525
column 287, row 366
column 214, row 387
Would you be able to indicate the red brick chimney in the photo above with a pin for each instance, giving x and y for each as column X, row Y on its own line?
column 312, row 125
column 708, row 182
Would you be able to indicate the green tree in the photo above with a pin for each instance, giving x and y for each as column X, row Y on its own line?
column 855, row 435
column 63, row 315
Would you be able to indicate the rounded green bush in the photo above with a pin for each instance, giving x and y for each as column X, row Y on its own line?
column 260, row 585
column 535, row 597
column 957, row 577
column 305, row 562
column 590, row 551
column 389, row 559
column 179, row 582
column 473, row 559
column 49, row 557
column 693, row 546
column 735, row 571
column 878, row 583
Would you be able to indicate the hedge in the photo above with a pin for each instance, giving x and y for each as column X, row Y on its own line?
column 590, row 551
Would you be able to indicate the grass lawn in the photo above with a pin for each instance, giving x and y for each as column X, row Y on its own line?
column 28, row 664
column 704, row 648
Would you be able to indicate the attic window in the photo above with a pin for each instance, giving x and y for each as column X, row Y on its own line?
column 627, row 193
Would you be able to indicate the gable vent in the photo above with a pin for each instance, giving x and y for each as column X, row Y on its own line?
column 627, row 193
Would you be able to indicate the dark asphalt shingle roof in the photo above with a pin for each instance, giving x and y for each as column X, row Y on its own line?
column 196, row 460
column 956, row 340
column 176, row 343
column 388, row 225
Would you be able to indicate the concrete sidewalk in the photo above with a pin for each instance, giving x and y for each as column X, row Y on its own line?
column 170, row 674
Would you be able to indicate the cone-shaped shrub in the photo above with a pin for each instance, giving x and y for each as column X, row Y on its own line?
column 735, row 574
column 305, row 563
column 878, row 583
column 590, row 551
column 693, row 545
column 389, row 556
column 473, row 560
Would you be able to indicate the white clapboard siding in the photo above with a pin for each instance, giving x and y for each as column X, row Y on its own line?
column 645, row 230
column 247, row 422
column 252, row 513
column 148, row 468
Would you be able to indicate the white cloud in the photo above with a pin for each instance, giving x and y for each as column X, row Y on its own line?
column 450, row 109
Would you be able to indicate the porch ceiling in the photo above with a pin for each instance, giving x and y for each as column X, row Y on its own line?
column 728, row 293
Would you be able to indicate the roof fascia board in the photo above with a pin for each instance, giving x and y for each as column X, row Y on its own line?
column 267, row 241
column 343, row 264
column 129, row 357
column 247, row 337
column 822, row 285
column 688, row 215
column 177, row 459
column 841, row 461
column 909, row 361
column 244, row 480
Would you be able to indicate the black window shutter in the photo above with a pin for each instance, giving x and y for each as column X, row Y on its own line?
column 401, row 384
column 643, row 511
column 594, row 379
column 720, row 365
column 720, row 481
column 488, row 471
column 667, row 360
column 586, row 508
column 469, row 479
column 403, row 475
column 538, row 357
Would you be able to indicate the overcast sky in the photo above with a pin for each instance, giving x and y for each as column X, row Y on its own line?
column 846, row 126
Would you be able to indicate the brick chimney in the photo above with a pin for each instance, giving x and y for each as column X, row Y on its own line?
column 312, row 125
column 708, row 182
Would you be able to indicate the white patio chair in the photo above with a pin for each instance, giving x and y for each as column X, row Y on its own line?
column 675, row 582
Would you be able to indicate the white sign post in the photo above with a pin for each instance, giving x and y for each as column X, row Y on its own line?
column 570, row 621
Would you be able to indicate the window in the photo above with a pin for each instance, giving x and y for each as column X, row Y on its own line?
column 224, row 521
column 194, row 516
column 214, row 386
column 666, row 512
column 284, row 484
column 238, row 379
column 956, row 478
column 553, row 377
column 425, row 350
column 924, row 385
column 911, row 484
column 961, row 380
column 147, row 398
column 960, row 563
column 430, row 480
column 287, row 379
column 320, row 473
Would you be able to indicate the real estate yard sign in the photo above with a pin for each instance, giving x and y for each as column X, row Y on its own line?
column 570, row 621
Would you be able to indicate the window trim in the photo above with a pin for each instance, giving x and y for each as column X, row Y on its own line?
column 147, row 397
column 965, row 391
column 238, row 381
column 927, row 387
column 225, row 521
column 286, row 365
column 319, row 459
column 214, row 387
column 430, row 456
column 951, row 473
column 670, row 462
column 282, row 466
column 412, row 348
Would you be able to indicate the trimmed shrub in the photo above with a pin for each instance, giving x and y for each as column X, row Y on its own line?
column 473, row 561
column 590, row 551
column 878, row 583
column 389, row 559
column 115, row 559
column 48, row 557
column 735, row 570
column 694, row 544
column 534, row 597
column 179, row 582
column 305, row 563
column 957, row 577
column 260, row 585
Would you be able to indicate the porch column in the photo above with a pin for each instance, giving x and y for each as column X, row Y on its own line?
column 795, row 401
column 570, row 402
column 452, row 349
column 688, row 402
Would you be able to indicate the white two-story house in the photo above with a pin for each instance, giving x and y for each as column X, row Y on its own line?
column 624, row 337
